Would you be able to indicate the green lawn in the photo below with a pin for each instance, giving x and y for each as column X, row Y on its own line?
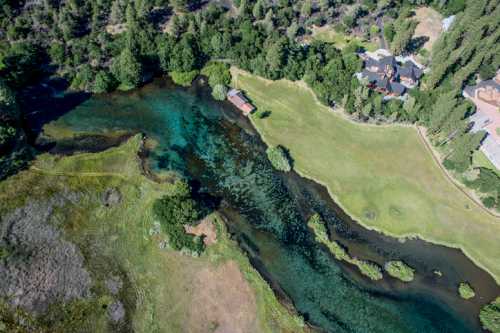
column 329, row 35
column 480, row 160
column 382, row 176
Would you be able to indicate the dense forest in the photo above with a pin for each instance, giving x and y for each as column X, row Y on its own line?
column 101, row 45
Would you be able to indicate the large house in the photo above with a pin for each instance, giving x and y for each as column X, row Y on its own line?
column 486, row 96
column 388, row 74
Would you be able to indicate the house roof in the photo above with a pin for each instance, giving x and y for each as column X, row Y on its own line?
column 470, row 90
column 389, row 60
column 492, row 150
column 409, row 69
column 370, row 76
column 397, row 88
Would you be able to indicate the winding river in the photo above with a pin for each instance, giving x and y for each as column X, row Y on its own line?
column 211, row 144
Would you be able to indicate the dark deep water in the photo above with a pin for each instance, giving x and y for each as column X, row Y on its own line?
column 211, row 144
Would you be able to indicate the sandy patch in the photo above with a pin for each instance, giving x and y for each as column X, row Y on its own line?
column 429, row 25
column 206, row 228
column 115, row 29
column 222, row 302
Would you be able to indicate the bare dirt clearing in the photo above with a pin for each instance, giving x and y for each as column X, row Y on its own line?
column 429, row 25
column 204, row 228
column 222, row 302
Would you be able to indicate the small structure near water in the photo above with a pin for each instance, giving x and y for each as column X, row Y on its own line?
column 239, row 100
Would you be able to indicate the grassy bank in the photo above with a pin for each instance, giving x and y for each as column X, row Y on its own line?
column 383, row 176
column 102, row 205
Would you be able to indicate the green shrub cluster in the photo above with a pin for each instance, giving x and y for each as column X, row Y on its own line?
column 400, row 270
column 175, row 211
column 279, row 158
column 219, row 77
column 465, row 291
column 490, row 316
column 183, row 78
column 367, row 268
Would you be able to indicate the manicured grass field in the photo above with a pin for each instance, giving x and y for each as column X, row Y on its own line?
column 383, row 176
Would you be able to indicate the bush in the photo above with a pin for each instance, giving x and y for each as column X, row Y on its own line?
column 465, row 291
column 490, row 316
column 173, row 212
column 400, row 270
column 489, row 202
column 183, row 78
column 217, row 73
column 279, row 158
column 369, row 269
column 219, row 92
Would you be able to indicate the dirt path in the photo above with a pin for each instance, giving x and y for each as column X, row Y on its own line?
column 450, row 178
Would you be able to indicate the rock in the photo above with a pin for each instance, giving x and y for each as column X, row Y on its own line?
column 41, row 267
column 114, row 284
column 116, row 311
column 112, row 197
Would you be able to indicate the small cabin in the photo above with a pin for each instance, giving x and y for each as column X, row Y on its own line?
column 240, row 101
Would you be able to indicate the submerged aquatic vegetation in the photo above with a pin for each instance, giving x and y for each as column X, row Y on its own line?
column 367, row 268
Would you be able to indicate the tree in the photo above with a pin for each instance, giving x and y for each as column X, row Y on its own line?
column 292, row 30
column 279, row 158
column 219, row 92
column 275, row 56
column 306, row 9
column 389, row 32
column 127, row 69
column 103, row 82
column 403, row 35
column 258, row 10
column 490, row 316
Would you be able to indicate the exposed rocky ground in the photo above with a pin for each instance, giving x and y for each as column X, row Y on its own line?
column 39, row 267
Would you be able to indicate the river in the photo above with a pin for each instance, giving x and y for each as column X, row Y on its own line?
column 218, row 150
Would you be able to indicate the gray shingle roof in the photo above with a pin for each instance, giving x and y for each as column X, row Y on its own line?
column 397, row 88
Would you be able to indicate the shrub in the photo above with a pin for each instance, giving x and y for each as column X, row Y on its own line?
column 400, row 270
column 279, row 158
column 183, row 78
column 217, row 73
column 173, row 212
column 465, row 291
column 219, row 92
column 369, row 269
column 489, row 202
column 490, row 316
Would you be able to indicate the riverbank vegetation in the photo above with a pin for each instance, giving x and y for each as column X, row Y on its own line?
column 399, row 270
column 465, row 291
column 279, row 158
column 383, row 177
column 490, row 316
column 367, row 268
column 97, row 209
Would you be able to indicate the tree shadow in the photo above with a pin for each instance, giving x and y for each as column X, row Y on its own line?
column 417, row 43
column 264, row 114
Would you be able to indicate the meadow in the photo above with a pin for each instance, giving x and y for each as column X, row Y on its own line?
column 163, row 290
column 383, row 176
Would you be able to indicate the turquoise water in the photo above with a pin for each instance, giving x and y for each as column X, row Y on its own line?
column 200, row 139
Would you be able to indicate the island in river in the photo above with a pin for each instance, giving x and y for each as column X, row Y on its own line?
column 217, row 149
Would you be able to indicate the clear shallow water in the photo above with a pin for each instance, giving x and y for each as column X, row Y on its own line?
column 209, row 143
